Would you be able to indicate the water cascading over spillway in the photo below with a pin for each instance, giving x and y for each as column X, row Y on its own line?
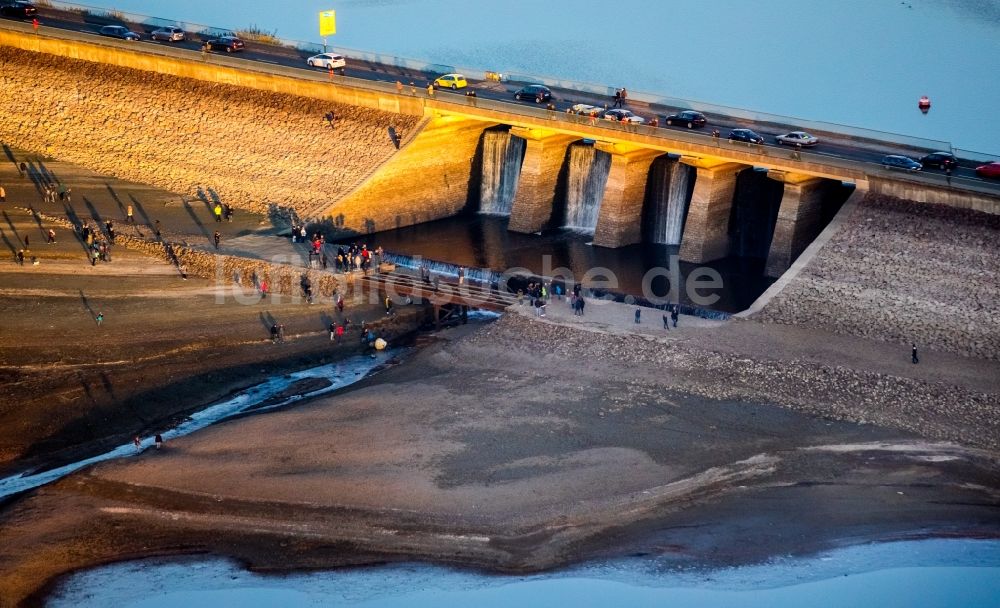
column 502, row 157
column 671, row 184
column 587, row 176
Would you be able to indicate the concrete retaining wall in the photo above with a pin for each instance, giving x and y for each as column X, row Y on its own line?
column 250, row 147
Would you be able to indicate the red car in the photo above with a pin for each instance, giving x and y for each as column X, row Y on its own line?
column 989, row 170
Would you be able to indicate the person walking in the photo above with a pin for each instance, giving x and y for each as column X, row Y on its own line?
column 159, row 441
column 20, row 257
column 129, row 218
column 274, row 333
column 99, row 318
column 913, row 355
column 666, row 322
column 638, row 315
column 217, row 237
column 388, row 306
column 263, row 289
column 623, row 97
column 674, row 314
column 430, row 90
column 137, row 442
column 399, row 88
column 333, row 331
column 52, row 236
column 618, row 99
column 218, row 212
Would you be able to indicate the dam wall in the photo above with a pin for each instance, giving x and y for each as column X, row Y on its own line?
column 251, row 143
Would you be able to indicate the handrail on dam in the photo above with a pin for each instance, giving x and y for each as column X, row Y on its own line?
column 668, row 140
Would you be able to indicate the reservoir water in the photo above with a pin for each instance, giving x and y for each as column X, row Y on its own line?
column 932, row 573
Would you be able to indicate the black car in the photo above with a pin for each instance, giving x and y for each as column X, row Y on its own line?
column 228, row 44
column 535, row 92
column 18, row 9
column 896, row 161
column 688, row 118
column 940, row 160
column 745, row 135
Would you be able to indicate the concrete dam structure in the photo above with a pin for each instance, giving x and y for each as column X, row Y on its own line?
column 543, row 169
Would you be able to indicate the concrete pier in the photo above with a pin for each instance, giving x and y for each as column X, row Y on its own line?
column 620, row 220
column 706, row 232
column 544, row 155
column 799, row 220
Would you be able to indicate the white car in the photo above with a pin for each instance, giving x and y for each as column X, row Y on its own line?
column 797, row 138
column 585, row 109
column 169, row 34
column 619, row 115
column 327, row 61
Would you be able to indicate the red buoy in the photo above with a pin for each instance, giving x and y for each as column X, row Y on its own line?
column 924, row 104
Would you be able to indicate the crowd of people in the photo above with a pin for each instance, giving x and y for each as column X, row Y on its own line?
column 98, row 243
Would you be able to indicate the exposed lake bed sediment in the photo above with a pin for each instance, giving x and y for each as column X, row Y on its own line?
column 517, row 447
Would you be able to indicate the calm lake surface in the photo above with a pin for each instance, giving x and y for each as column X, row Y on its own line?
column 904, row 574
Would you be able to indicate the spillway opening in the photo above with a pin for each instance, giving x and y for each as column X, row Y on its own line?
column 501, row 155
column 756, row 201
column 668, row 196
column 587, row 170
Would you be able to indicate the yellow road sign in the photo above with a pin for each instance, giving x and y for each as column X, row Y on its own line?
column 327, row 23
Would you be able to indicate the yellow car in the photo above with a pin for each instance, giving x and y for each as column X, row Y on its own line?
column 451, row 81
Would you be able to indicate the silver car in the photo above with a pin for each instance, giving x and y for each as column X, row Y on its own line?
column 169, row 34
column 797, row 138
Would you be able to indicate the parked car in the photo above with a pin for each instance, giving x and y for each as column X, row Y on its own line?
column 168, row 34
column 535, row 92
column 745, row 135
column 229, row 44
column 939, row 160
column 620, row 115
column 18, row 9
column 451, row 81
column 688, row 118
column 584, row 109
column 989, row 170
column 797, row 138
column 327, row 61
column 119, row 31
column 896, row 161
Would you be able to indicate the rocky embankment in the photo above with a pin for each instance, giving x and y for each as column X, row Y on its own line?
column 250, row 148
column 901, row 272
column 932, row 409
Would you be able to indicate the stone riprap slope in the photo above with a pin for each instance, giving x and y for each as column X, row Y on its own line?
column 902, row 272
column 937, row 410
column 249, row 147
